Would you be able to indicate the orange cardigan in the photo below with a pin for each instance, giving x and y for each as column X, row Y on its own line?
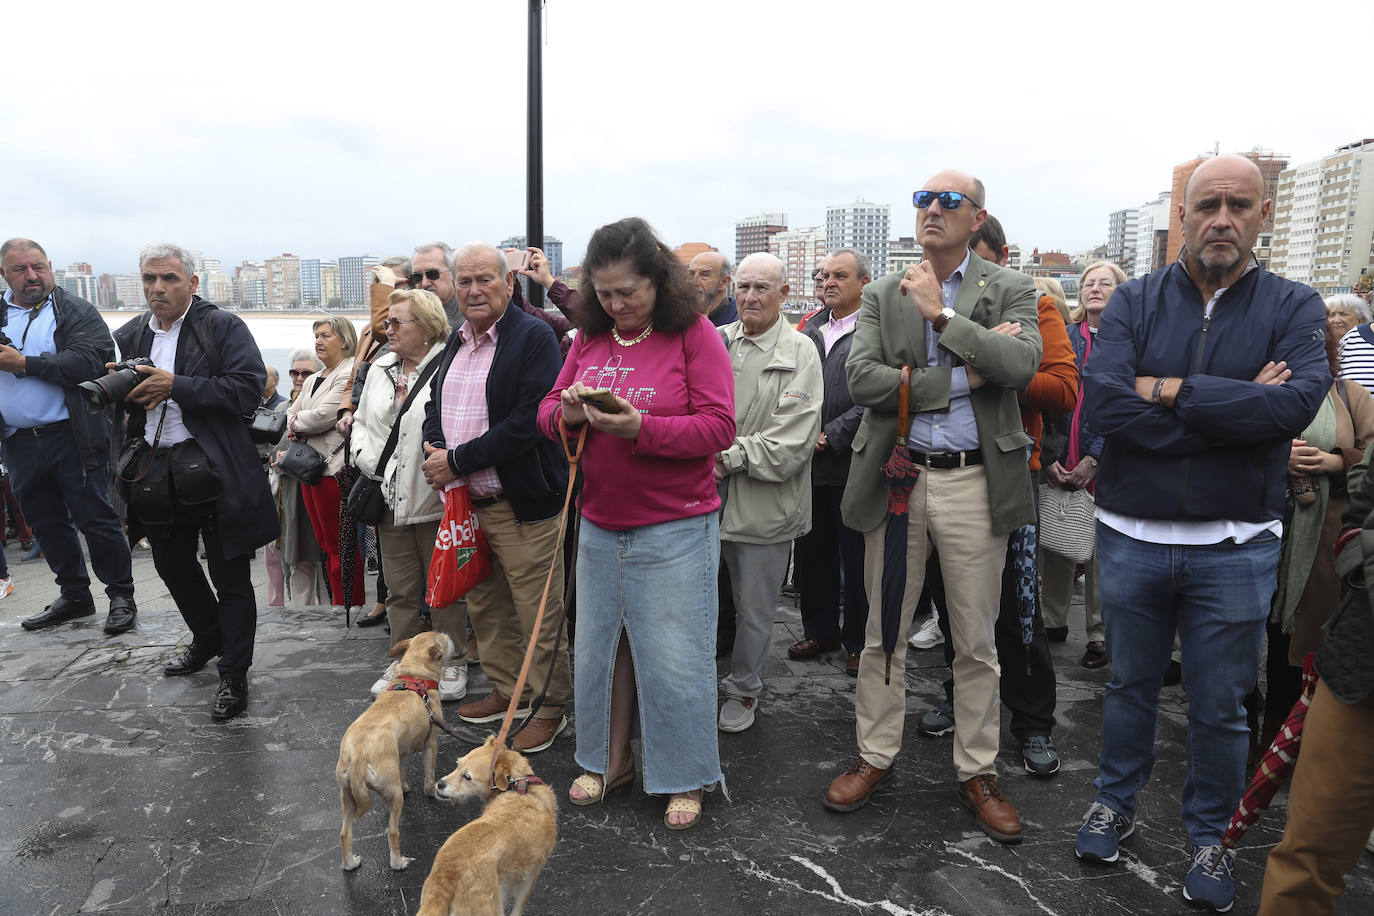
column 1055, row 385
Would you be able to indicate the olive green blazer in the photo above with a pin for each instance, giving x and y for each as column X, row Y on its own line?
column 891, row 333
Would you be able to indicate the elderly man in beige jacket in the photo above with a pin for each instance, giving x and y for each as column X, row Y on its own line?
column 766, row 473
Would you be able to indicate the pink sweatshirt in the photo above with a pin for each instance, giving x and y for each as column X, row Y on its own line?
column 684, row 386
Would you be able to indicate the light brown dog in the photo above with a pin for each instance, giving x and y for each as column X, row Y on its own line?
column 373, row 751
column 492, row 862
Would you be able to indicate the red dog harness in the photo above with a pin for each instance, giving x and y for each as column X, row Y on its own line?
column 419, row 685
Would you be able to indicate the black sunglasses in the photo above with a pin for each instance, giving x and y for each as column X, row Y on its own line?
column 949, row 200
column 431, row 275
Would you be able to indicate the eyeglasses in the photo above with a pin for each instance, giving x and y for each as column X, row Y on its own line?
column 949, row 200
column 299, row 373
column 395, row 323
column 1099, row 284
column 431, row 275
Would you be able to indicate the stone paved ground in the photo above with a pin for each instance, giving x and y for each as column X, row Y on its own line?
column 119, row 794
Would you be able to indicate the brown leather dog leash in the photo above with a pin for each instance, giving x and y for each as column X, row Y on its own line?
column 574, row 457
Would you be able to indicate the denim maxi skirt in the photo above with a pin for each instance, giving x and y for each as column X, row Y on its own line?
column 658, row 582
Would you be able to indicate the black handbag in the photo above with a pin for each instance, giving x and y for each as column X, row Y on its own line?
column 365, row 501
column 195, row 479
column 304, row 463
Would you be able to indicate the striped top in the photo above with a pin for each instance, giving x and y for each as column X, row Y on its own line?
column 1356, row 356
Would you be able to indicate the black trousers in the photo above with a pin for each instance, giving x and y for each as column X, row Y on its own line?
column 830, row 560
column 225, row 618
column 1028, row 682
column 59, row 496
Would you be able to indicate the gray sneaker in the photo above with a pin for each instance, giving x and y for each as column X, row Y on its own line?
column 737, row 714
column 1039, row 756
column 939, row 721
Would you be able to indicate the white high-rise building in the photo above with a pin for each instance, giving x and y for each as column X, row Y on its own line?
column 128, row 290
column 1324, row 220
column 1121, row 239
column 800, row 251
column 1151, row 235
column 862, row 226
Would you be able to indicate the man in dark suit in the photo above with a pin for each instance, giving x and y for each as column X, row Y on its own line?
column 969, row 332
column 207, row 373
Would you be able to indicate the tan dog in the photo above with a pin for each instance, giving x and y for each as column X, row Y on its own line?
column 492, row 862
column 373, row 751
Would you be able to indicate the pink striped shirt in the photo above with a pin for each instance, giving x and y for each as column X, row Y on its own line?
column 463, row 410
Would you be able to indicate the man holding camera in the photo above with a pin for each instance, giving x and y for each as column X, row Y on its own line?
column 57, row 451
column 193, row 467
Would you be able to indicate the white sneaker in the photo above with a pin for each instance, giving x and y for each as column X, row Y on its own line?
column 928, row 636
column 6, row 586
column 379, row 686
column 1370, row 844
column 453, row 683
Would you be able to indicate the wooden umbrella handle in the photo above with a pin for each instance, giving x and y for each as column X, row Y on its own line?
column 904, row 405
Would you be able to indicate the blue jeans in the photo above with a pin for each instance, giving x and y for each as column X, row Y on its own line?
column 1217, row 597
column 657, row 584
column 59, row 496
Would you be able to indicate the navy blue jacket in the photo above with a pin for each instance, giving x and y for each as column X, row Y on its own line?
column 83, row 344
column 840, row 416
column 1089, row 442
column 215, row 392
column 1222, row 451
column 728, row 313
column 532, row 469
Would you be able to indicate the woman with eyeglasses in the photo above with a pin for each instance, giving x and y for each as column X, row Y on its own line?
column 312, row 420
column 298, row 551
column 648, row 549
column 416, row 329
column 1077, row 471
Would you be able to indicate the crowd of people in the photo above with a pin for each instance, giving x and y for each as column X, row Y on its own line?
column 1200, row 431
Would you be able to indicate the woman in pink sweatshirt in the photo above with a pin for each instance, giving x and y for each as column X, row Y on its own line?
column 649, row 545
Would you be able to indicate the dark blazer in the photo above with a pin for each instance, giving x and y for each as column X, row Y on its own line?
column 215, row 393
column 891, row 333
column 840, row 416
column 532, row 469
column 82, row 340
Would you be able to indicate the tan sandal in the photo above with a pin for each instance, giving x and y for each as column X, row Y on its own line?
column 683, row 804
column 595, row 788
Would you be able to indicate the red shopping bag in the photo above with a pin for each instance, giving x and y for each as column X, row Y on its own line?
column 461, row 556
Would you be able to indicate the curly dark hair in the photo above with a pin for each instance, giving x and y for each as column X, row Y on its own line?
column 634, row 241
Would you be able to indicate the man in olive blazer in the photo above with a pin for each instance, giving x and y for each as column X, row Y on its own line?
column 968, row 329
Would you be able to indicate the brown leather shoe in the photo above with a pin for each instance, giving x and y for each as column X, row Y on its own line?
column 810, row 648
column 539, row 734
column 1095, row 654
column 851, row 665
column 491, row 708
column 996, row 816
column 851, row 789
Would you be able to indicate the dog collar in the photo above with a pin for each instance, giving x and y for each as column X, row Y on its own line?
column 419, row 685
column 522, row 785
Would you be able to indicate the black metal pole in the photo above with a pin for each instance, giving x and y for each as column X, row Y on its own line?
column 534, row 153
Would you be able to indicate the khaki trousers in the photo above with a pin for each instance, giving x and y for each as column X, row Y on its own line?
column 1330, row 809
column 1056, row 593
column 949, row 512
column 406, row 552
column 503, row 606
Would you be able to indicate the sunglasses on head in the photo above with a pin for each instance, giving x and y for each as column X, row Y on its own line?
column 949, row 200
column 431, row 275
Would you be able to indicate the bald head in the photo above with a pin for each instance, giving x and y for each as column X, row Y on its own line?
column 945, row 233
column 1222, row 210
column 763, row 262
column 1236, row 170
column 710, row 272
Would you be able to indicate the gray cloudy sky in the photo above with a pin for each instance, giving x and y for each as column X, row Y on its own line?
column 334, row 129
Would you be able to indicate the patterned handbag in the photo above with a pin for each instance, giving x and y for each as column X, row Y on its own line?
column 1067, row 524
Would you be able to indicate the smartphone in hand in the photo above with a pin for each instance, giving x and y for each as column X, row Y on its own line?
column 517, row 258
column 601, row 399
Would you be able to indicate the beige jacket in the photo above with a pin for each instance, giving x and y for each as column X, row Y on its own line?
column 767, row 493
column 403, row 485
column 313, row 415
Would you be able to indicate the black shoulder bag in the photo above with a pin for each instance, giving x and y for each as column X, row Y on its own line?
column 365, row 501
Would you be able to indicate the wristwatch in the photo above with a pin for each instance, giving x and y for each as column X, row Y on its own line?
column 941, row 321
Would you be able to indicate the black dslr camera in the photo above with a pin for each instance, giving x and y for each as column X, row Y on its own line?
column 114, row 387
